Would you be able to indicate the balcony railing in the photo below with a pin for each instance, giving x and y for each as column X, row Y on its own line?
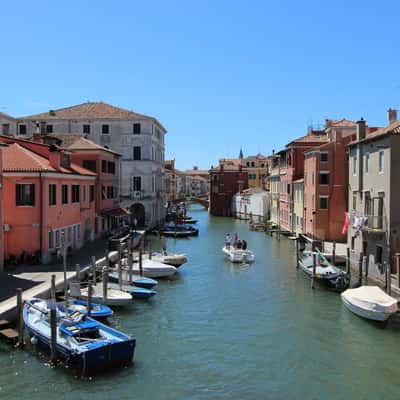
column 374, row 223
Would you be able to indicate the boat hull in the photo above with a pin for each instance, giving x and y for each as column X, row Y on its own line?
column 238, row 255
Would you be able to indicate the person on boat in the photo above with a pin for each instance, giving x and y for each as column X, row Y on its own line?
column 228, row 240
column 239, row 244
column 235, row 240
column 244, row 245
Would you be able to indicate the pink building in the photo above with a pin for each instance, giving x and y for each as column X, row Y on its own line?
column 105, row 163
column 46, row 198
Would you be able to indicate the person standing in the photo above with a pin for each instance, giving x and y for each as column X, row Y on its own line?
column 228, row 240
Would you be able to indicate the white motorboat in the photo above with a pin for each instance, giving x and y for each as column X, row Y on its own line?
column 370, row 302
column 175, row 260
column 238, row 255
column 151, row 269
column 114, row 297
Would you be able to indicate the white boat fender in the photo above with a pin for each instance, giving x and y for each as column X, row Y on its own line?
column 34, row 340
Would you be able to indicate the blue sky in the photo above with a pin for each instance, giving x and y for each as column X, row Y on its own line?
column 217, row 74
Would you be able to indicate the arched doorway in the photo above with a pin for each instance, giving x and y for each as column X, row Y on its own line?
column 139, row 213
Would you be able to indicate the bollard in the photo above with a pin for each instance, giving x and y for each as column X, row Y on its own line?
column 314, row 268
column 53, row 323
column 130, row 266
column 120, row 276
column 297, row 253
column 20, row 322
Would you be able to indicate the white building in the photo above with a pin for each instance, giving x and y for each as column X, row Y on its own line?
column 138, row 138
column 251, row 204
column 7, row 125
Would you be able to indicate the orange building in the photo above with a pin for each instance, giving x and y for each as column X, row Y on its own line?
column 45, row 198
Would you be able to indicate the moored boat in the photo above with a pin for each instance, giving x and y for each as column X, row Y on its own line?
column 370, row 302
column 82, row 342
column 97, row 311
column 174, row 230
column 238, row 255
column 175, row 260
column 137, row 280
column 325, row 273
column 114, row 297
column 135, row 292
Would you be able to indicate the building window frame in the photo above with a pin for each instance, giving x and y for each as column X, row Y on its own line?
column 324, row 181
column 25, row 194
column 75, row 193
column 64, row 194
column 323, row 202
column 86, row 129
column 381, row 162
column 137, row 128
column 105, row 129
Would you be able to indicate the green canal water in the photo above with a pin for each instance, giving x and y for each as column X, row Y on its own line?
column 223, row 331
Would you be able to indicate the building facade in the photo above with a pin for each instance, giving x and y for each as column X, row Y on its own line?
column 374, row 217
column 48, row 201
column 251, row 204
column 257, row 168
column 225, row 181
column 298, row 206
column 137, row 137
column 326, row 183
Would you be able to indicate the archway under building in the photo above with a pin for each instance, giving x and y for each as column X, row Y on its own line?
column 138, row 212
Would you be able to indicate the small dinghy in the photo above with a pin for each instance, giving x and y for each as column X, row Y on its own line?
column 114, row 297
column 325, row 273
column 238, row 255
column 135, row 292
column 370, row 302
column 175, row 260
column 178, row 230
column 82, row 342
column 98, row 311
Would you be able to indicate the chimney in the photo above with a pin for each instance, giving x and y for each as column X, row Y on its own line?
column 55, row 157
column 361, row 129
column 392, row 116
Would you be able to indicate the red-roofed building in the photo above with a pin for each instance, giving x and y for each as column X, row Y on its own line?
column 46, row 197
column 226, row 180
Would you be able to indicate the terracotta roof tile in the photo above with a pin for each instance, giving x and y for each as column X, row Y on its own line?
column 342, row 122
column 90, row 110
column 78, row 142
column 393, row 128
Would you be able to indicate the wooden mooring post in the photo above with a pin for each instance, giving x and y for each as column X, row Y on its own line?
column 140, row 262
column 105, row 283
column 314, row 268
column 130, row 266
column 53, row 323
column 360, row 266
column 93, row 262
column 388, row 276
column 348, row 269
column 20, row 321
column 297, row 253
column 334, row 253
column 89, row 299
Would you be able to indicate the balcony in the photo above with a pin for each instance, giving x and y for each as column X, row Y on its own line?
column 374, row 223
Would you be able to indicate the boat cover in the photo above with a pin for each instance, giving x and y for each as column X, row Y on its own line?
column 371, row 297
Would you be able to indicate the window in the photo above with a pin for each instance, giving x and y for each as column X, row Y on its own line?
column 378, row 254
column 91, row 193
column 312, row 178
column 137, row 183
column 137, row 150
column 103, row 192
column 83, row 193
column 324, row 178
column 105, row 129
column 25, row 194
column 52, row 194
column 323, row 156
column 323, row 202
column 75, row 193
column 111, row 167
column 354, row 201
column 22, row 129
column 49, row 128
column 64, row 194
column 353, row 240
column 136, row 129
column 104, row 166
column 6, row 129
column 86, row 129
column 381, row 161
column 366, row 163
column 90, row 165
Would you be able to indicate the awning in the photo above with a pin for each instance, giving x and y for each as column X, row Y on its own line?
column 116, row 212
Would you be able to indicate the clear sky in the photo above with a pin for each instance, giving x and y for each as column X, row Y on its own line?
column 217, row 74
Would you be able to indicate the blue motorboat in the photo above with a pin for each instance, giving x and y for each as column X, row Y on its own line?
column 82, row 342
column 98, row 311
column 135, row 292
column 139, row 281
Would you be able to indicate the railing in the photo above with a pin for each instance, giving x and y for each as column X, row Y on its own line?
column 374, row 222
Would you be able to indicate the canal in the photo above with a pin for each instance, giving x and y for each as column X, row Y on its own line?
column 223, row 331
